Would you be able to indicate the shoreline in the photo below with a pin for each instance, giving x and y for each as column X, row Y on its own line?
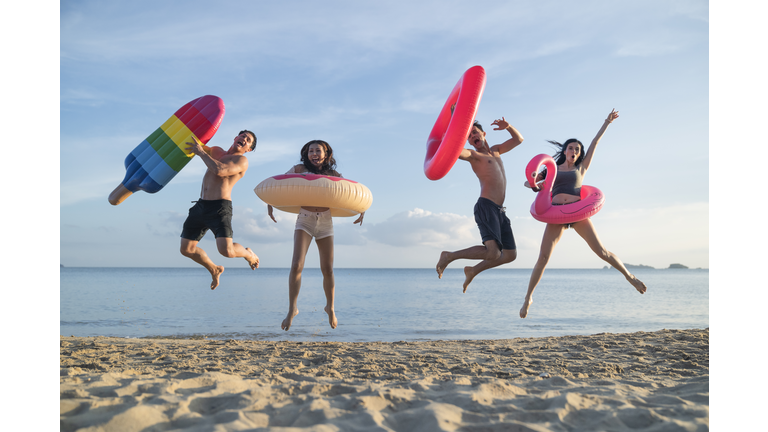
column 603, row 381
column 245, row 267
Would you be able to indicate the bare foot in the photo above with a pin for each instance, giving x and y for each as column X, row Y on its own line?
column 331, row 317
column 638, row 284
column 215, row 274
column 289, row 319
column 527, row 304
column 254, row 263
column 469, row 274
column 442, row 264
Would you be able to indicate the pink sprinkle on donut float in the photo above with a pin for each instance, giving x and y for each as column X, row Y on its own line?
column 451, row 130
column 543, row 210
column 289, row 192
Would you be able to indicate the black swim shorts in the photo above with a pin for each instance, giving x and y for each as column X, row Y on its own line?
column 494, row 223
column 215, row 215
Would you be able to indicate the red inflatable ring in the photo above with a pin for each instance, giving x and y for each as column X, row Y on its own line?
column 450, row 132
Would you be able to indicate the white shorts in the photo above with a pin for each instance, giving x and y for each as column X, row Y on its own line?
column 317, row 224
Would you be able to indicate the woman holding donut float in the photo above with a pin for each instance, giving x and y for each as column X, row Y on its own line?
column 316, row 158
column 564, row 187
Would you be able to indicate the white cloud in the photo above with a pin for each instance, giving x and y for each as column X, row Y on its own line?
column 168, row 225
column 257, row 226
column 407, row 229
column 346, row 233
column 424, row 228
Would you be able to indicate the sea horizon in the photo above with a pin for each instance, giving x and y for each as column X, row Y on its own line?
column 375, row 304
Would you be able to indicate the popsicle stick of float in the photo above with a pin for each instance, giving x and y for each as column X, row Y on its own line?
column 451, row 130
column 542, row 210
column 288, row 192
column 154, row 162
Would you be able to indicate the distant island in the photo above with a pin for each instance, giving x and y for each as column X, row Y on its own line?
column 631, row 266
column 641, row 266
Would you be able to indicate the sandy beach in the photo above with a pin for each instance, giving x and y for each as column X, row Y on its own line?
column 644, row 381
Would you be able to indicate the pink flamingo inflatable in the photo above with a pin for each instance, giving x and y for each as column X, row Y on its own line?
column 542, row 210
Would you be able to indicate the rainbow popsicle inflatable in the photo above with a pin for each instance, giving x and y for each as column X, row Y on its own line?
column 154, row 162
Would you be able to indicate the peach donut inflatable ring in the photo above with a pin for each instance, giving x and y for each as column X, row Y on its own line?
column 542, row 210
column 288, row 192
column 450, row 132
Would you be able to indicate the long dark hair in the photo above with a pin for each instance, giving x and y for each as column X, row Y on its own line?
column 559, row 157
column 329, row 164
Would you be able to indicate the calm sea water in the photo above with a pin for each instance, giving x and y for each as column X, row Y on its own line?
column 376, row 304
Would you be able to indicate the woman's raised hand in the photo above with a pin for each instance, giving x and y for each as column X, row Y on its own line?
column 612, row 116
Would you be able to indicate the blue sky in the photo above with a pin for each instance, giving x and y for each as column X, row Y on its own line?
column 370, row 78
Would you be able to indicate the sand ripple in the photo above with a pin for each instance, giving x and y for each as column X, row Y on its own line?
column 657, row 381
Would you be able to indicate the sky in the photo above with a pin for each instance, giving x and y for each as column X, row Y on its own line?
column 370, row 79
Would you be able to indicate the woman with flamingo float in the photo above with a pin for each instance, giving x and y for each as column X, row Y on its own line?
column 572, row 164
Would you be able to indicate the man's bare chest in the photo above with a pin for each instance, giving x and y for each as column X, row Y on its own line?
column 487, row 164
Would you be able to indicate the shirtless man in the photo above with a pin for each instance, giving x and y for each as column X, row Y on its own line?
column 214, row 208
column 498, row 242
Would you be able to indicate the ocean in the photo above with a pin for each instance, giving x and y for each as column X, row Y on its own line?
column 386, row 305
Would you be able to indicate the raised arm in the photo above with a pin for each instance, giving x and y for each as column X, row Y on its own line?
column 465, row 154
column 210, row 157
column 290, row 171
column 591, row 150
column 510, row 143
column 215, row 152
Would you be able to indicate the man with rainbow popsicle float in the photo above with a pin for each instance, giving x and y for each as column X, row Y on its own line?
column 157, row 160
column 214, row 208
